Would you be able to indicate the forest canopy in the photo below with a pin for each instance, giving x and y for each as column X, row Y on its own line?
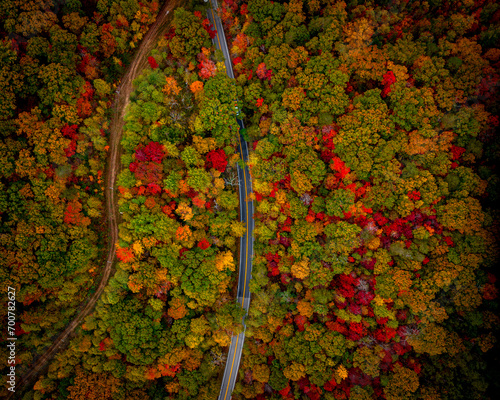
column 373, row 126
column 372, row 131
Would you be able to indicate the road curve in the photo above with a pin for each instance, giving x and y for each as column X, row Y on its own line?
column 121, row 101
column 246, row 215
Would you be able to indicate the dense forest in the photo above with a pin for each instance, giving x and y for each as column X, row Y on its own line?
column 168, row 312
column 59, row 64
column 373, row 135
column 373, row 129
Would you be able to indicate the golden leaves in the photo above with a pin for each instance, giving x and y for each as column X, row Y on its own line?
column 25, row 164
column 224, row 260
column 264, row 125
column 261, row 373
column 374, row 244
column 400, row 71
column 300, row 270
column 137, row 247
column 293, row 97
column 466, row 296
column 358, row 34
column 273, row 322
column 238, row 229
column 431, row 340
column 368, row 62
column 469, row 73
column 464, row 215
column 417, row 301
column 402, row 279
column 379, row 301
column 222, row 338
column 401, row 384
column 368, row 359
column 300, row 182
column 418, row 144
column 340, row 373
column 204, row 145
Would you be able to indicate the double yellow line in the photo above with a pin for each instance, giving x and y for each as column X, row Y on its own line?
column 247, row 222
column 246, row 269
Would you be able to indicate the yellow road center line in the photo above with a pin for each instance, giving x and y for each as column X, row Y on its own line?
column 232, row 365
column 215, row 26
column 244, row 178
column 246, row 264
column 246, row 204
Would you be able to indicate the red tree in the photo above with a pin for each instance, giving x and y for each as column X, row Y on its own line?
column 152, row 62
column 387, row 81
column 217, row 159
column 203, row 244
column 153, row 151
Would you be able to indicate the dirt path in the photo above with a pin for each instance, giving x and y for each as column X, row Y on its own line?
column 121, row 101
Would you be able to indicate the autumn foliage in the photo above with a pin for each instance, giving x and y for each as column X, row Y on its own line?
column 60, row 69
column 152, row 62
column 217, row 159
column 178, row 226
column 373, row 158
column 367, row 193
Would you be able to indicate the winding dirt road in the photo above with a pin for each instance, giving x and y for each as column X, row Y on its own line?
column 119, row 106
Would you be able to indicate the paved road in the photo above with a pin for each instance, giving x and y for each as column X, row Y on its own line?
column 246, row 242
column 113, row 167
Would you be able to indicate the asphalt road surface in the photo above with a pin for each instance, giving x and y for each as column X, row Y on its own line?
column 246, row 242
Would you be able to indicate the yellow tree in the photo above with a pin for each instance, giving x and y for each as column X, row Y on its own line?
column 199, row 327
column 184, row 211
column 305, row 308
column 224, row 260
column 464, row 215
column 222, row 338
column 261, row 373
column 293, row 97
column 204, row 145
column 300, row 182
column 300, row 270
column 431, row 340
